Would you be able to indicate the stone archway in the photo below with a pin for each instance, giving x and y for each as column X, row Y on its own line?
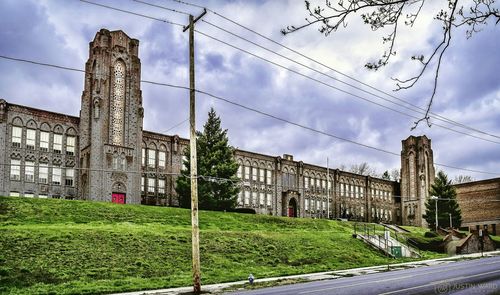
column 292, row 208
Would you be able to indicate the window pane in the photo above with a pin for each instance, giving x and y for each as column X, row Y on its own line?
column 16, row 136
column 161, row 159
column 152, row 158
column 15, row 169
column 44, row 141
column 43, row 173
column 30, row 139
column 56, row 175
column 57, row 143
column 29, row 171
column 70, row 145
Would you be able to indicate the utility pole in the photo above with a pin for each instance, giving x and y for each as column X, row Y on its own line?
column 195, row 229
column 327, row 190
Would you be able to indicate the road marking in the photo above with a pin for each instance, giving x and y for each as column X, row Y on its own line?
column 440, row 282
column 386, row 280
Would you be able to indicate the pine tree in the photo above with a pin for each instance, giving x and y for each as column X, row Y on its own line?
column 443, row 189
column 217, row 182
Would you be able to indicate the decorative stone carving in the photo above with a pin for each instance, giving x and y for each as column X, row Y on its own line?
column 118, row 103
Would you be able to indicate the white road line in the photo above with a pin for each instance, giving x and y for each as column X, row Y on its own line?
column 385, row 280
column 440, row 282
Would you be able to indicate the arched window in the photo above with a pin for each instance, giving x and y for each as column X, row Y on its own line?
column 118, row 103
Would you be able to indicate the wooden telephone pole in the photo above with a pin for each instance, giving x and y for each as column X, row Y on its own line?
column 195, row 229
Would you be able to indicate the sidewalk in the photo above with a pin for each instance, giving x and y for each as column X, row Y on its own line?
column 217, row 288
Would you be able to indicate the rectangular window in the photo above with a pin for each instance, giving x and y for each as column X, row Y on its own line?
column 29, row 171
column 324, row 205
column 261, row 198
column 307, row 204
column 14, row 194
column 254, row 198
column 70, row 145
column 247, row 172
column 42, row 196
column 323, row 184
column 143, row 157
column 16, row 136
column 240, row 198
column 269, row 177
column 56, row 175
column 184, row 163
column 15, row 169
column 57, row 143
column 269, row 199
column 255, row 171
column 151, row 158
column 143, row 181
column 317, row 205
column 28, row 195
column 239, row 171
column 30, row 139
column 247, row 197
column 70, row 176
column 151, row 185
column 43, row 173
column 161, row 159
column 306, row 182
column 44, row 141
column 329, row 185
column 161, row 186
column 262, row 175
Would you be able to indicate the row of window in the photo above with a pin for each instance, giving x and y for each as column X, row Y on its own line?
column 256, row 174
column 151, row 158
column 42, row 170
column 40, row 195
column 153, row 185
column 247, row 198
column 314, row 205
column 43, row 141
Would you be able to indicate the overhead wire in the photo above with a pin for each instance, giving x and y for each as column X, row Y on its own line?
column 322, row 73
column 234, row 103
column 335, row 70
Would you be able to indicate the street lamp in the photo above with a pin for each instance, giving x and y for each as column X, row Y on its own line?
column 451, row 223
column 436, row 199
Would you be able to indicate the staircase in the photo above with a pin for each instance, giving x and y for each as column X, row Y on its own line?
column 385, row 240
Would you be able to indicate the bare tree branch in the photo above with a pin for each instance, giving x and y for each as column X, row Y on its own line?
column 380, row 14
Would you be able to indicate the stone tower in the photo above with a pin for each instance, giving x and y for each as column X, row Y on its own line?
column 111, row 118
column 417, row 176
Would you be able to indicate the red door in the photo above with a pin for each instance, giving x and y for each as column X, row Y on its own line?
column 118, row 198
column 291, row 212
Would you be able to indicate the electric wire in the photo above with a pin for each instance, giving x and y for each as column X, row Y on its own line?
column 336, row 71
column 253, row 110
column 296, row 72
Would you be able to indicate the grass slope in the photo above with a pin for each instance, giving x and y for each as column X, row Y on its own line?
column 50, row 246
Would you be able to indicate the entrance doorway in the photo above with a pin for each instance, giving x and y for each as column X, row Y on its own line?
column 292, row 208
column 118, row 198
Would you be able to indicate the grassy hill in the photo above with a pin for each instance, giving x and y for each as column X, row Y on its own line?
column 50, row 246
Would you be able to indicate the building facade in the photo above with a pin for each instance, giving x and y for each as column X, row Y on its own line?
column 105, row 155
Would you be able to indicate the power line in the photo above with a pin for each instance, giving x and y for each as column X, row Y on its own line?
column 422, row 112
column 336, row 88
column 336, row 71
column 291, row 70
column 133, row 13
column 253, row 110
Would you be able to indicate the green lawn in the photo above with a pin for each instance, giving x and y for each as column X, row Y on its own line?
column 50, row 246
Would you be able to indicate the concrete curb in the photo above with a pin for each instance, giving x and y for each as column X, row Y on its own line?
column 315, row 276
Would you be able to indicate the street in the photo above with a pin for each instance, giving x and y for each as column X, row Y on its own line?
column 478, row 276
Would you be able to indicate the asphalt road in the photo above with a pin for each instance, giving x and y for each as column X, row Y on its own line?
column 479, row 276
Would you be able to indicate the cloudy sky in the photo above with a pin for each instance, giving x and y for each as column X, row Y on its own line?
column 58, row 32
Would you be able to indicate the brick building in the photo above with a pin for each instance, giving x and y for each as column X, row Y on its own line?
column 105, row 155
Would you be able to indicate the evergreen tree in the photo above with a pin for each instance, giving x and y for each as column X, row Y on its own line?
column 217, row 182
column 443, row 189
